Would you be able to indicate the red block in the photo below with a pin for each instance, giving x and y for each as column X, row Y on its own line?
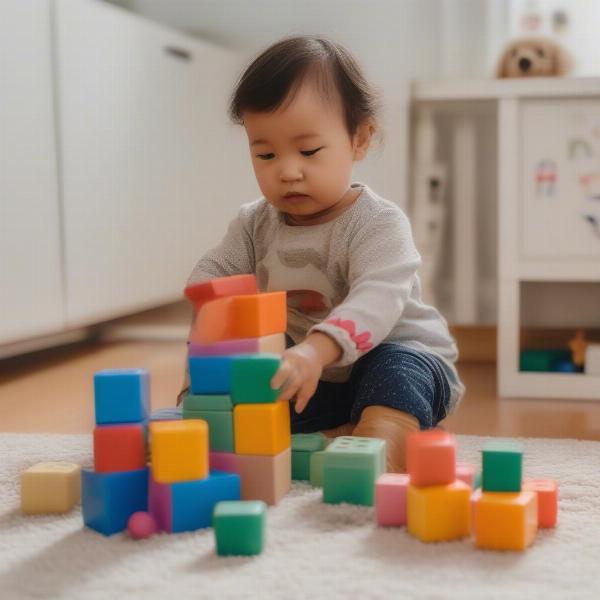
column 431, row 458
column 234, row 285
column 119, row 448
column 547, row 493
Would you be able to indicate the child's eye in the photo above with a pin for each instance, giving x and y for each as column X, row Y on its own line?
column 311, row 152
column 268, row 156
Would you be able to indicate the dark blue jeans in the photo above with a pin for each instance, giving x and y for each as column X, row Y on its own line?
column 388, row 375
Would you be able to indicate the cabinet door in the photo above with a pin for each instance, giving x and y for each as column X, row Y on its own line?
column 143, row 136
column 31, row 301
column 560, row 178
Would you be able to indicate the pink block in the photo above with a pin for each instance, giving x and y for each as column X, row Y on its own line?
column 224, row 461
column 465, row 472
column 225, row 348
column 390, row 499
column 160, row 504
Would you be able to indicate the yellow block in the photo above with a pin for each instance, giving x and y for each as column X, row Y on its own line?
column 179, row 450
column 439, row 512
column 505, row 520
column 52, row 487
column 262, row 428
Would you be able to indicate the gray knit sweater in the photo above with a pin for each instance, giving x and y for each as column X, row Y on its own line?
column 354, row 278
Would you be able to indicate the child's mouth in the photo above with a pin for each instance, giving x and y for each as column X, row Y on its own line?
column 295, row 197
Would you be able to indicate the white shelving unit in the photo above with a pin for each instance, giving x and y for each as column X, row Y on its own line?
column 548, row 173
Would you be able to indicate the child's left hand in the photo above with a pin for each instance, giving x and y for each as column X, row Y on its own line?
column 300, row 370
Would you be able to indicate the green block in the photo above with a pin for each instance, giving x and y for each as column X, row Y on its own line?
column 220, row 427
column 502, row 467
column 316, row 468
column 351, row 467
column 251, row 378
column 300, row 465
column 542, row 360
column 207, row 402
column 240, row 527
column 308, row 442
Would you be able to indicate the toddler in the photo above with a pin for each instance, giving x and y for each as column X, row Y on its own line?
column 364, row 355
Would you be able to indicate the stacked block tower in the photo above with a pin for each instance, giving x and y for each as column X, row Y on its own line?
column 117, row 486
column 234, row 350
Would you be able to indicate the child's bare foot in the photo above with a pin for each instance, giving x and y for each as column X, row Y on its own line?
column 345, row 429
column 391, row 425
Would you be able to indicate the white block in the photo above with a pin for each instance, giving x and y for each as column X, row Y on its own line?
column 592, row 359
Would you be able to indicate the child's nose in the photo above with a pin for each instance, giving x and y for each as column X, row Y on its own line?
column 291, row 171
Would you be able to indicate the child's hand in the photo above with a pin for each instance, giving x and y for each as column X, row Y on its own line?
column 300, row 370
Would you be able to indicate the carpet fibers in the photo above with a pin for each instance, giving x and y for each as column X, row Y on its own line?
column 313, row 550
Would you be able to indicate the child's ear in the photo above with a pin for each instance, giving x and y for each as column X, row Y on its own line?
column 362, row 139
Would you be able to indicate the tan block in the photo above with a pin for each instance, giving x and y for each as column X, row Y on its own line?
column 52, row 487
column 266, row 478
column 274, row 343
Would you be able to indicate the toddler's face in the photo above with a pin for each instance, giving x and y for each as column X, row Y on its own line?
column 303, row 147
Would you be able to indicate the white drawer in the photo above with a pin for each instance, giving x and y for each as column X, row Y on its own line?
column 560, row 179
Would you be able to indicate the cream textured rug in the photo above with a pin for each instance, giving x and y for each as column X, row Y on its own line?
column 313, row 550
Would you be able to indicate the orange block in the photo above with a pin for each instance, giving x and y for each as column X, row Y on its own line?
column 262, row 428
column 547, row 493
column 234, row 285
column 250, row 316
column 119, row 448
column 505, row 520
column 431, row 458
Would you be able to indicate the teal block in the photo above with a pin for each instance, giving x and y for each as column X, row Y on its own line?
column 351, row 467
column 316, row 468
column 251, row 378
column 240, row 527
column 502, row 467
column 207, row 402
column 303, row 445
column 220, row 427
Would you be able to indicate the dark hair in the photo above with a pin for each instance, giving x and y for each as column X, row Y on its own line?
column 279, row 71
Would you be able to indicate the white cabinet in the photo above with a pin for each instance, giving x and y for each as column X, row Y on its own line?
column 144, row 136
column 31, row 295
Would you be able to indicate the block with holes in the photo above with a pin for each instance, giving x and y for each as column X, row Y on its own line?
column 262, row 428
column 119, row 447
column 350, row 468
column 240, row 527
column 121, row 396
column 317, row 460
column 431, row 458
column 233, row 285
column 390, row 499
column 504, row 520
column 246, row 316
column 179, row 450
column 547, row 495
column 50, row 487
column 303, row 446
column 251, row 379
column 269, row 344
column 502, row 466
column 440, row 512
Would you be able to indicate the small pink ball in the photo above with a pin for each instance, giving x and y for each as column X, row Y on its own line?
column 141, row 525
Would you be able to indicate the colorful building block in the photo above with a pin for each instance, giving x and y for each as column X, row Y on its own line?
column 390, row 499
column 223, row 461
column 247, row 316
column 179, row 450
column 119, row 448
column 351, row 467
column 121, row 396
column 51, row 487
column 240, row 527
column 502, row 466
column 439, row 513
column 303, row 445
column 547, row 494
column 251, row 379
column 220, row 427
column 207, row 402
column 233, row 285
column 504, row 520
column 317, row 462
column 210, row 374
column 109, row 499
column 266, row 478
column 188, row 505
column 262, row 428
column 431, row 458
column 466, row 472
column 269, row 344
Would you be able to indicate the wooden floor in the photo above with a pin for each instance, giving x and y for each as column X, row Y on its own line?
column 52, row 391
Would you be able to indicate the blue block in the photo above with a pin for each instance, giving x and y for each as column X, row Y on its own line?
column 109, row 499
column 210, row 374
column 122, row 396
column 193, row 502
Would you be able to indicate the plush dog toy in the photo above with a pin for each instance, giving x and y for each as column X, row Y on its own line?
column 534, row 57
